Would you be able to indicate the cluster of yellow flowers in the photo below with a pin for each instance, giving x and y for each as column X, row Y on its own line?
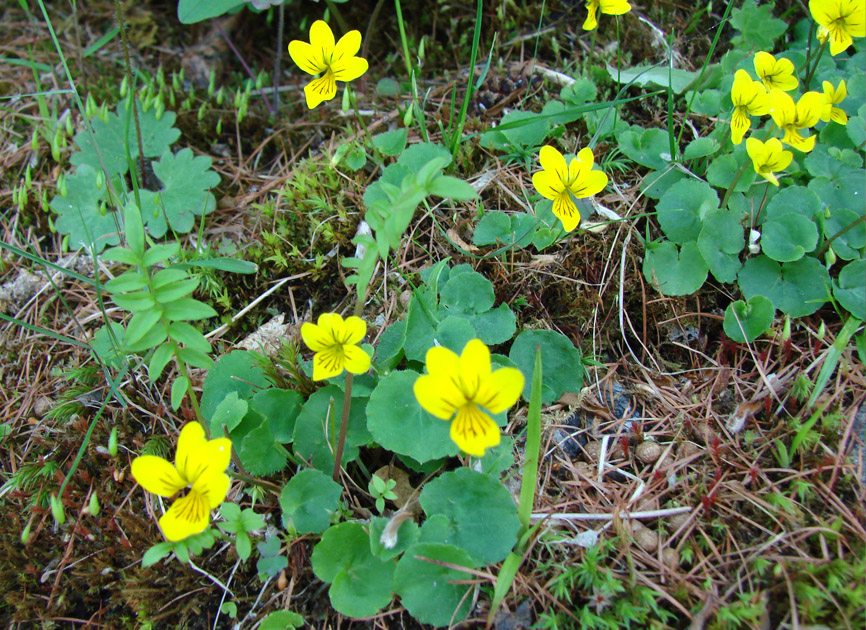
column 839, row 21
column 769, row 95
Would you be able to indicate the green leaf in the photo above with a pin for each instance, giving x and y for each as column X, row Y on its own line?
column 467, row 292
column 661, row 75
column 720, row 243
column 672, row 270
column 356, row 158
column 260, row 453
column 243, row 545
column 308, row 501
column 156, row 553
column 228, row 414
column 398, row 423
column 498, row 459
column 234, row 372
column 746, row 321
column 758, row 28
column 789, row 237
column 793, row 200
column 130, row 280
column 281, row 619
column 657, row 183
column 80, row 216
column 700, row 147
column 281, row 408
column 724, row 168
column 158, row 360
column 231, row 265
column 187, row 309
column 497, row 227
column 361, row 584
column 480, row 512
column 134, row 228
column 192, row 11
column 135, row 301
column 561, row 362
column 165, row 277
column 316, row 428
column 416, row 156
column 121, row 255
column 406, row 536
column 526, row 131
column 651, row 148
column 186, row 180
column 850, row 289
column 104, row 346
column 176, row 290
column 195, row 358
column 189, row 335
column 152, row 338
column 683, row 207
column 160, row 253
column 142, row 323
column 796, row 288
column 178, row 391
column 391, row 142
column 842, row 191
column 449, row 187
column 849, row 245
column 270, row 561
column 427, row 590
column 454, row 333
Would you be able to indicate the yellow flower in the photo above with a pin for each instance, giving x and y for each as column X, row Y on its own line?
column 337, row 61
column 466, row 385
column 559, row 181
column 200, row 468
column 750, row 99
column 768, row 158
column 335, row 343
column 775, row 73
column 839, row 21
column 608, row 7
column 790, row 117
column 833, row 97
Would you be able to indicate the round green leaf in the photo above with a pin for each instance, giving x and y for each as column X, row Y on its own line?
column 788, row 237
column 391, row 142
column 793, row 200
column 480, row 511
column 468, row 292
column 427, row 590
column 562, row 370
column 281, row 407
column 317, row 428
column 260, row 453
column 673, row 270
column 282, row 620
column 700, row 147
column 398, row 423
column 651, row 148
column 234, row 372
column 848, row 245
column 745, row 321
column 841, row 191
column 361, row 584
column 721, row 242
column 454, row 333
column 850, row 289
column 683, row 207
column 407, row 533
column 796, row 288
column 308, row 501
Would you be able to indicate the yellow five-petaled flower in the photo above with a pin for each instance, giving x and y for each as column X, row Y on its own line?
column 199, row 467
column 337, row 61
column 467, row 387
column 335, row 343
column 839, row 21
column 790, row 117
column 608, row 7
column 775, row 73
column 750, row 99
column 560, row 181
column 834, row 96
column 768, row 158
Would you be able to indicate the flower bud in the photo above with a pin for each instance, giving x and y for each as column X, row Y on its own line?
column 822, row 330
column 112, row 442
column 93, row 505
column 830, row 257
column 124, row 87
column 786, row 330
column 211, row 82
column 25, row 533
column 57, row 510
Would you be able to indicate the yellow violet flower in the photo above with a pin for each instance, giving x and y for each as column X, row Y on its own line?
column 750, row 99
column 839, row 21
column 335, row 343
column 775, row 73
column 790, row 117
column 465, row 385
column 834, row 96
column 200, row 467
column 337, row 61
column 768, row 158
column 608, row 7
column 559, row 181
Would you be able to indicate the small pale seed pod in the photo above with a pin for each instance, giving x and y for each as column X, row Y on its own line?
column 676, row 521
column 282, row 581
column 646, row 538
column 591, row 451
column 671, row 558
column 648, row 452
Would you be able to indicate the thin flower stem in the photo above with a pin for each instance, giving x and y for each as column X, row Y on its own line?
column 403, row 40
column 829, row 241
column 122, row 24
column 533, row 447
column 245, row 65
column 814, row 67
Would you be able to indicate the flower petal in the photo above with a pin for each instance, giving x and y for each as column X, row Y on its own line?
column 320, row 90
column 566, row 210
column 591, row 184
column 306, row 57
column 474, row 367
column 438, row 396
column 548, row 184
column 190, row 442
column 356, row 360
column 156, row 475
column 442, row 362
column 354, row 329
column 213, row 487
column 349, row 69
column 328, row 363
column 316, row 338
column 614, row 7
column 202, row 458
column 591, row 19
column 474, row 431
column 186, row 517
column 553, row 161
column 322, row 38
column 500, row 390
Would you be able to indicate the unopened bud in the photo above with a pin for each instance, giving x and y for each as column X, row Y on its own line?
column 407, row 117
column 786, row 330
column 57, row 510
column 93, row 505
column 822, row 330
column 124, row 87
column 112, row 442
column 830, row 257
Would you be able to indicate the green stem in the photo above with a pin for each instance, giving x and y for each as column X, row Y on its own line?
column 829, row 241
column 733, row 184
column 533, row 447
column 814, row 67
column 473, row 56
column 403, row 40
column 121, row 23
column 618, row 74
